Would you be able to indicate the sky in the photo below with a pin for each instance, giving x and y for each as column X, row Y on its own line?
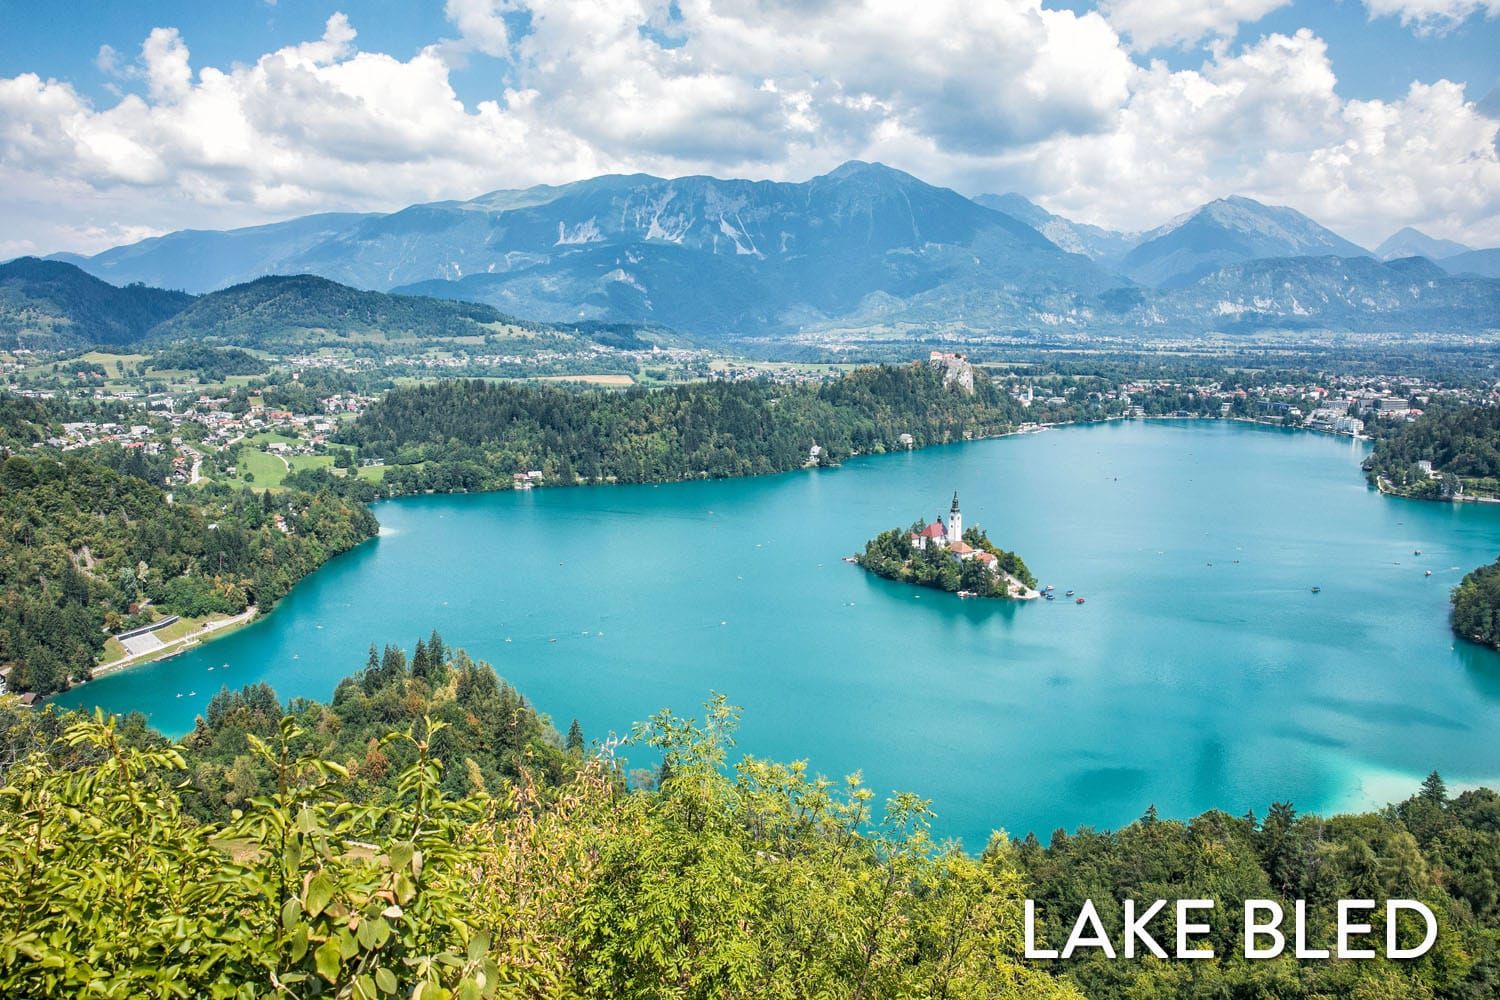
column 120, row 121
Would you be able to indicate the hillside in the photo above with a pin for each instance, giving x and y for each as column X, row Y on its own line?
column 302, row 309
column 472, row 435
column 49, row 305
column 1228, row 231
column 1326, row 293
column 1480, row 262
column 90, row 542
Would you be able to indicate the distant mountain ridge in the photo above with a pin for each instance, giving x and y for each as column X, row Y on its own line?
column 1094, row 242
column 1482, row 262
column 205, row 260
column 1409, row 242
column 1228, row 231
column 863, row 246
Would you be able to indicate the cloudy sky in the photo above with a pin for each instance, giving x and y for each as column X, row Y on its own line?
column 123, row 120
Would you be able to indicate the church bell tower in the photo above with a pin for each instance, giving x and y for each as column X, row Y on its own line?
column 955, row 522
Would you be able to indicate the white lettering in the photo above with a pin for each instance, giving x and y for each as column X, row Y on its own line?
column 1184, row 928
column 1135, row 929
column 1254, row 931
column 1301, row 950
column 1348, row 930
column 1098, row 939
column 1392, row 949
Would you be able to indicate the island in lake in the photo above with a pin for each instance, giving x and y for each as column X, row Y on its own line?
column 948, row 557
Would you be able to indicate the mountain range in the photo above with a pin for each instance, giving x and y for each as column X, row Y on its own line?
column 52, row 305
column 863, row 246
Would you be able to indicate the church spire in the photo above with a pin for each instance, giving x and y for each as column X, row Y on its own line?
column 954, row 508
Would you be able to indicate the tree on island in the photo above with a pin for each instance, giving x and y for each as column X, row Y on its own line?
column 892, row 555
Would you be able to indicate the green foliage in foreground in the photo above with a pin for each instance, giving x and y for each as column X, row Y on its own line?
column 332, row 877
column 892, row 555
column 491, row 735
column 1476, row 606
column 762, row 882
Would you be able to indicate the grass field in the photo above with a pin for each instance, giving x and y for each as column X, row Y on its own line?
column 267, row 469
column 300, row 462
column 270, row 470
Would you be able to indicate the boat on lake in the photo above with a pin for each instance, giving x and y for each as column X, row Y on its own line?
column 1079, row 601
column 1317, row 590
column 1070, row 593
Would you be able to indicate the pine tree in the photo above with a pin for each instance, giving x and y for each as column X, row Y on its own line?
column 392, row 664
column 1434, row 789
column 419, row 660
column 437, row 653
column 575, row 738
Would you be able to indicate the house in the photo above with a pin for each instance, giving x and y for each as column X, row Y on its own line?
column 934, row 533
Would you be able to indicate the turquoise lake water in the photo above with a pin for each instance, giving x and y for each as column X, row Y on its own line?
column 1201, row 673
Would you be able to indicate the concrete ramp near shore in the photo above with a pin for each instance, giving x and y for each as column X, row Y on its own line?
column 142, row 643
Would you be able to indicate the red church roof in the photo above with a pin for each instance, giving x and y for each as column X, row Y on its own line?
column 935, row 530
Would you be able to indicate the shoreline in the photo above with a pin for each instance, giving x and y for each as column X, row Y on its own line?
column 207, row 633
column 1381, row 487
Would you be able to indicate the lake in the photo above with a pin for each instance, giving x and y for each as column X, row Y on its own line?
column 1201, row 673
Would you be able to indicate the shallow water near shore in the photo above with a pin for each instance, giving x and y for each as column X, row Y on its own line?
column 1201, row 673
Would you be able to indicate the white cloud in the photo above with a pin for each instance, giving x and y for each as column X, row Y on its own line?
column 481, row 23
column 1150, row 23
column 1266, row 122
column 1432, row 16
column 981, row 97
column 108, row 61
column 167, row 70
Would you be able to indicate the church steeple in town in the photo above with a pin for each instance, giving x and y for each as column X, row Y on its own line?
column 955, row 522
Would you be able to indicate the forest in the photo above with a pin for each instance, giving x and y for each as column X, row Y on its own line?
column 83, row 547
column 1476, row 606
column 475, row 435
column 428, row 834
column 1461, row 442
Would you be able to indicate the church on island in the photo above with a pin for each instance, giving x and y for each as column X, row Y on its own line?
column 950, row 536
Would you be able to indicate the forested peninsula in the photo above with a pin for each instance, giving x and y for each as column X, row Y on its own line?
column 428, row 833
column 1448, row 453
column 469, row 434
